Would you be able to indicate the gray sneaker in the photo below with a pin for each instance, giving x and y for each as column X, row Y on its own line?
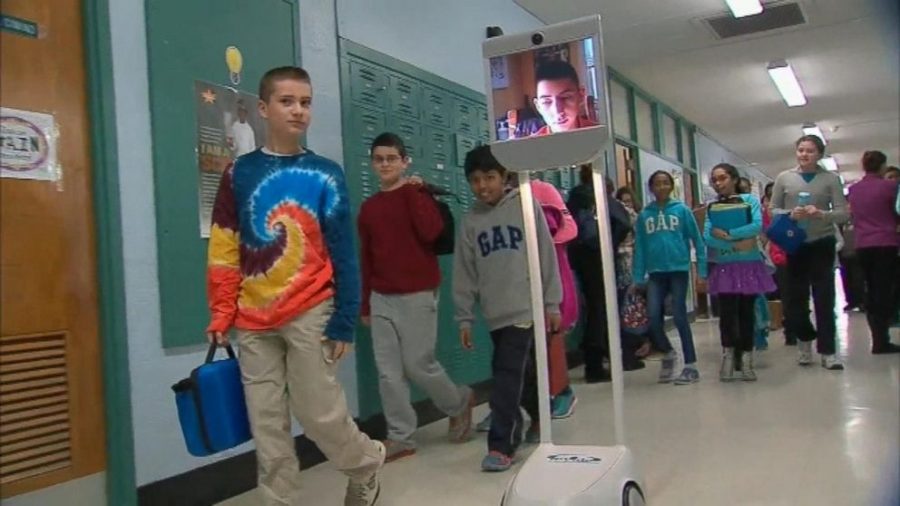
column 688, row 375
column 459, row 429
column 726, row 372
column 667, row 371
column 832, row 363
column 748, row 373
column 365, row 492
column 396, row 450
column 804, row 352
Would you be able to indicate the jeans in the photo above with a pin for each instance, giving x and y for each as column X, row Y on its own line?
column 674, row 284
column 515, row 384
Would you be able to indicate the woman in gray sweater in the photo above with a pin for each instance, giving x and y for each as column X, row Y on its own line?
column 814, row 198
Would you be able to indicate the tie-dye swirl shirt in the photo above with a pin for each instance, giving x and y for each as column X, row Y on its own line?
column 280, row 244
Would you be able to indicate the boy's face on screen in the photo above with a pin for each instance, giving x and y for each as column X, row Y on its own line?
column 559, row 102
column 288, row 112
column 488, row 186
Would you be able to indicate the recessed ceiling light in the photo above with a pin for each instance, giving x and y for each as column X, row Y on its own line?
column 742, row 8
column 785, row 80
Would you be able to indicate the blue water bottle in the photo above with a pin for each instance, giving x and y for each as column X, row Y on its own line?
column 803, row 200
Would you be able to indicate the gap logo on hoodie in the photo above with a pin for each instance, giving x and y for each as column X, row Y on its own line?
column 499, row 238
column 661, row 222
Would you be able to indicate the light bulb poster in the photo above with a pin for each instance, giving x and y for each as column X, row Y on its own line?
column 228, row 126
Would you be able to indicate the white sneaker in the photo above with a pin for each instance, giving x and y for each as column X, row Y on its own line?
column 667, row 371
column 804, row 352
column 832, row 363
column 366, row 491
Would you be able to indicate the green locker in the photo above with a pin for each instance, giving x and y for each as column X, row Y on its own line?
column 411, row 133
column 465, row 117
column 464, row 193
column 438, row 147
column 484, row 133
column 405, row 97
column 437, row 107
column 361, row 182
column 368, row 123
column 463, row 144
column 368, row 85
column 441, row 178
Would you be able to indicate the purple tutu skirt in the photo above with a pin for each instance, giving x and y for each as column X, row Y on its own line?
column 745, row 278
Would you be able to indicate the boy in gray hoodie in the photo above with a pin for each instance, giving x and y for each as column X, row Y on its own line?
column 491, row 266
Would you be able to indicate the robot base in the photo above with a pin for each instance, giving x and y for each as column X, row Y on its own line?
column 576, row 476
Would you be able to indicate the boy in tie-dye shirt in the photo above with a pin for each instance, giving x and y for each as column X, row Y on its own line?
column 283, row 272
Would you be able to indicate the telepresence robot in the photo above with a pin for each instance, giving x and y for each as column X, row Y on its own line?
column 558, row 475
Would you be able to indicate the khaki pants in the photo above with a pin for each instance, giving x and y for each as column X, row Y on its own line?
column 285, row 371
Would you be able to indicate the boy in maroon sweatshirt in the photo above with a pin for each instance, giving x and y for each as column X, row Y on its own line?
column 398, row 228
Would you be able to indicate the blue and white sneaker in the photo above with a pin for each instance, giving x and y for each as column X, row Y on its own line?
column 688, row 375
column 563, row 405
column 495, row 462
column 667, row 371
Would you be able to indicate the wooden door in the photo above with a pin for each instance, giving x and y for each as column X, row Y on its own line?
column 51, row 395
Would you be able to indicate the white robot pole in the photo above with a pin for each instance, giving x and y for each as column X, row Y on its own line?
column 612, row 302
column 537, row 306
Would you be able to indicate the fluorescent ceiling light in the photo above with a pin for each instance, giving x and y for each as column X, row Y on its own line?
column 741, row 8
column 829, row 163
column 811, row 129
column 783, row 76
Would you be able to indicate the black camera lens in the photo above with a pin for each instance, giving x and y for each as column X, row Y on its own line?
column 537, row 39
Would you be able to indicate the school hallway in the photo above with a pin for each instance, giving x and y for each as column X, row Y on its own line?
column 798, row 436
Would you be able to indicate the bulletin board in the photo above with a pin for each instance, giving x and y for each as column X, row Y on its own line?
column 228, row 43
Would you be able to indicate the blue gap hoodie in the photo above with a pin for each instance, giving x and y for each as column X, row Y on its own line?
column 661, row 241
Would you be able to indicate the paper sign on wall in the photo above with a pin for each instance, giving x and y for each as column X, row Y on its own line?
column 28, row 145
column 228, row 126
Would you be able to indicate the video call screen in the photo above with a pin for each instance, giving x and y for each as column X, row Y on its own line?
column 544, row 91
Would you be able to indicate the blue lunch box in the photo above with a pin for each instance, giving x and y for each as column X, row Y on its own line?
column 211, row 406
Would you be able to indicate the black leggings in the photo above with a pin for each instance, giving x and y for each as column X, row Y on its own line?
column 812, row 267
column 736, row 320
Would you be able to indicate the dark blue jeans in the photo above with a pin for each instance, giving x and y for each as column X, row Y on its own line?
column 515, row 384
column 674, row 284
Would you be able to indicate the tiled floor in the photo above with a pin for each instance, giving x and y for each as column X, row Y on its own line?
column 799, row 436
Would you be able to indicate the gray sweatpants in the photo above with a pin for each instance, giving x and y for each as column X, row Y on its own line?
column 404, row 336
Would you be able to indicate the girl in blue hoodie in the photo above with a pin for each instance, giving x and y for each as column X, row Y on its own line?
column 740, row 275
column 664, row 232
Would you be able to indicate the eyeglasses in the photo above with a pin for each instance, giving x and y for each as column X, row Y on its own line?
column 390, row 159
